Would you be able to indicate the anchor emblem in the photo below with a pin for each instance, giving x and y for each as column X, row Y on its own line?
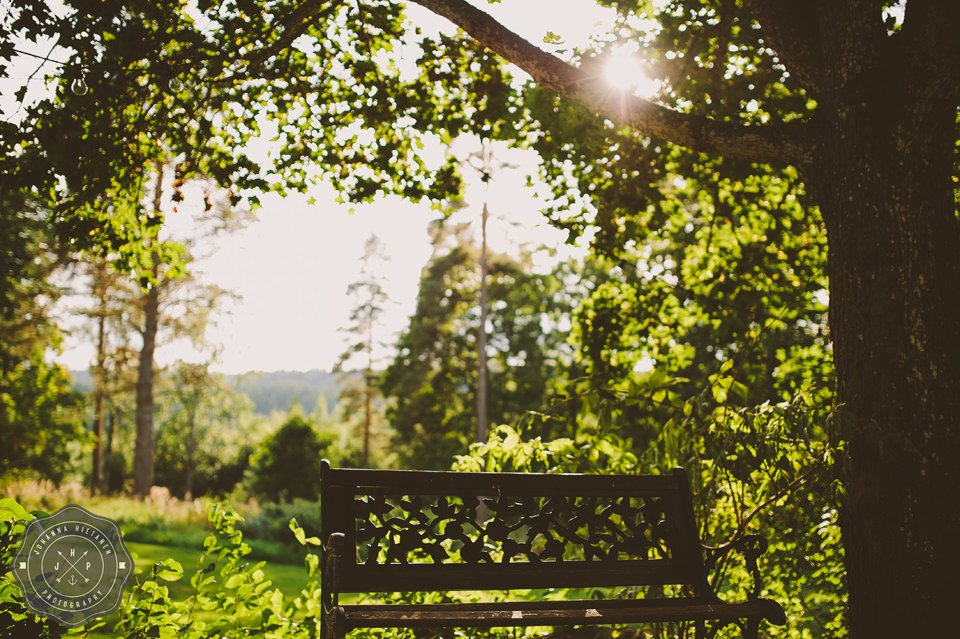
column 72, row 567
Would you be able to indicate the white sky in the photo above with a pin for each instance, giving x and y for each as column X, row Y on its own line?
column 292, row 266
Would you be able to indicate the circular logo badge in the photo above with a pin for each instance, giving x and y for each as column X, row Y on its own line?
column 72, row 566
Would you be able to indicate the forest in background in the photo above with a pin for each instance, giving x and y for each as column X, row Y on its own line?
column 270, row 392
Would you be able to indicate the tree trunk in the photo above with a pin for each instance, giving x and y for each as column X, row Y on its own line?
column 482, row 334
column 100, row 376
column 143, row 449
column 368, row 385
column 189, row 471
column 367, row 415
column 886, row 191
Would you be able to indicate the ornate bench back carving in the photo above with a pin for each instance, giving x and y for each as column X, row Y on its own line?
column 425, row 530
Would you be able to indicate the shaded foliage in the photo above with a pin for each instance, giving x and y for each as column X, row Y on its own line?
column 41, row 423
column 432, row 381
column 202, row 421
column 287, row 464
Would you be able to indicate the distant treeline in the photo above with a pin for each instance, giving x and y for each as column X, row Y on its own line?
column 276, row 391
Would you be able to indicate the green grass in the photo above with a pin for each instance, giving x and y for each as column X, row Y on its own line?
column 288, row 578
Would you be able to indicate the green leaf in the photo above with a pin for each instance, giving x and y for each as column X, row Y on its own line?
column 11, row 509
column 312, row 561
column 298, row 532
column 169, row 570
column 234, row 581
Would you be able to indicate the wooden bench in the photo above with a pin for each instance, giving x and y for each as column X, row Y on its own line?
column 406, row 531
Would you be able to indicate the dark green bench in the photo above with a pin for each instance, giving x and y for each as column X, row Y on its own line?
column 406, row 531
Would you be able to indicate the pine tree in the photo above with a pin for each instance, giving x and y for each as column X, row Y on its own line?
column 363, row 352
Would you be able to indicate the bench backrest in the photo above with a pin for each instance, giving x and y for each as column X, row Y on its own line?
column 430, row 530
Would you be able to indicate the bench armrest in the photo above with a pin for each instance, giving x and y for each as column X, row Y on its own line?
column 750, row 546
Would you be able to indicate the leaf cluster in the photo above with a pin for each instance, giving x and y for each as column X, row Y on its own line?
column 15, row 619
column 41, row 424
column 255, row 95
column 287, row 464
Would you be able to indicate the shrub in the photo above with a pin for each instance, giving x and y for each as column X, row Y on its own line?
column 229, row 596
column 287, row 466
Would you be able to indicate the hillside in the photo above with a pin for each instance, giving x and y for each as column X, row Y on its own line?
column 275, row 391
column 279, row 390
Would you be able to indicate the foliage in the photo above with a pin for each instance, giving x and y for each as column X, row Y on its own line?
column 432, row 381
column 701, row 291
column 200, row 410
column 287, row 464
column 15, row 619
column 764, row 469
column 769, row 468
column 359, row 393
column 784, row 122
column 162, row 80
column 41, row 425
column 271, row 524
column 228, row 595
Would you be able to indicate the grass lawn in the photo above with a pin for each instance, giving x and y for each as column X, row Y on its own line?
column 288, row 578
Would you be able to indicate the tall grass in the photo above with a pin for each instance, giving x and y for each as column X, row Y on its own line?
column 165, row 520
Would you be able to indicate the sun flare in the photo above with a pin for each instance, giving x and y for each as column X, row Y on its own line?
column 624, row 72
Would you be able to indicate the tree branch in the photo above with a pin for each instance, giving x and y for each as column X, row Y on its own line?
column 792, row 144
column 290, row 26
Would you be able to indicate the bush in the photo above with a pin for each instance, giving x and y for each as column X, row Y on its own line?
column 287, row 466
column 15, row 618
column 270, row 529
column 229, row 596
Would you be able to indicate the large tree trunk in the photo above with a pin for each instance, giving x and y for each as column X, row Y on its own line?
column 886, row 191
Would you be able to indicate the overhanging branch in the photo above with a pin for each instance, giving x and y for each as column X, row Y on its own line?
column 789, row 144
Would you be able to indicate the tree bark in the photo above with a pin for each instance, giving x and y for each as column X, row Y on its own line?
column 190, row 469
column 887, row 197
column 100, row 376
column 143, row 449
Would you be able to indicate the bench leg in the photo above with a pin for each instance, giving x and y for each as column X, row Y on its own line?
column 326, row 627
column 334, row 626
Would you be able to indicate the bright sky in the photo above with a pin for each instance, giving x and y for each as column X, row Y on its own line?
column 292, row 266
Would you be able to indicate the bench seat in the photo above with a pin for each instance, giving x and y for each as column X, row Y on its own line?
column 553, row 613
